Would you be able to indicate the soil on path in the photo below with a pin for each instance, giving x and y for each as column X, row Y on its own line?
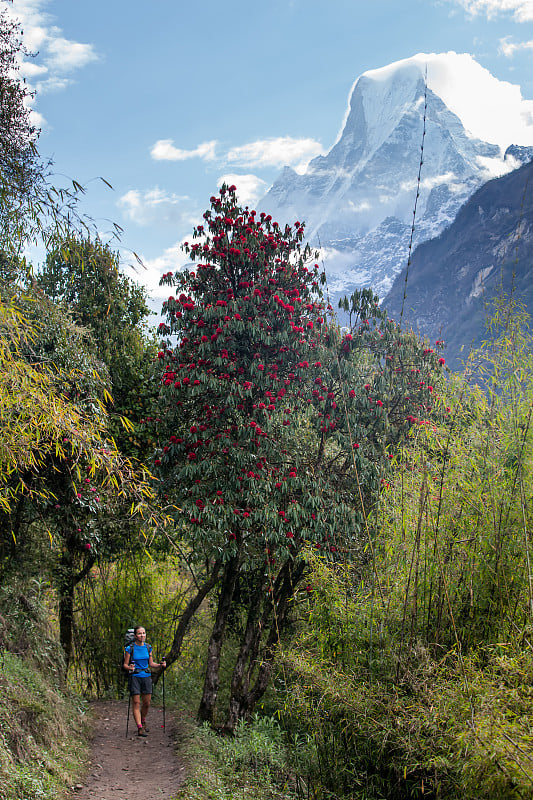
column 131, row 768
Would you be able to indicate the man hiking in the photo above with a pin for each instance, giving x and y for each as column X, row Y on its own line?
column 138, row 662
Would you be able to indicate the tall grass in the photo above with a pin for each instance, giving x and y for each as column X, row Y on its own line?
column 414, row 676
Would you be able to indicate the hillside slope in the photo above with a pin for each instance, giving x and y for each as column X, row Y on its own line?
column 489, row 246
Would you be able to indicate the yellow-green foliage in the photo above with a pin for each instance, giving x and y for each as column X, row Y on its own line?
column 456, row 730
column 41, row 734
column 252, row 765
column 391, row 725
column 138, row 590
column 413, row 670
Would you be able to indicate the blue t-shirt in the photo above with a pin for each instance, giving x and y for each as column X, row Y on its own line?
column 141, row 656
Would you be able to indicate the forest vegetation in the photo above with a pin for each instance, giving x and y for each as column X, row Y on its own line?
column 325, row 530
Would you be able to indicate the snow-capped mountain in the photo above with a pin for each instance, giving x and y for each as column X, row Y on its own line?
column 358, row 199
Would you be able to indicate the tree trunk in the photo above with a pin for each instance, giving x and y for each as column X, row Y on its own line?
column 66, row 604
column 247, row 653
column 68, row 579
column 185, row 619
column 243, row 699
column 211, row 682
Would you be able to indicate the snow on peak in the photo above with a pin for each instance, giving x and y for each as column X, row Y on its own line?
column 358, row 198
column 460, row 82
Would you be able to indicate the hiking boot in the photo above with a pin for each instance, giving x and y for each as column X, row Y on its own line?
column 146, row 728
column 141, row 732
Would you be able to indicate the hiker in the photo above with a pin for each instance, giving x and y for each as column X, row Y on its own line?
column 138, row 661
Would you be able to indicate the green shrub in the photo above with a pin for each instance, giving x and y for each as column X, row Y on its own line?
column 42, row 734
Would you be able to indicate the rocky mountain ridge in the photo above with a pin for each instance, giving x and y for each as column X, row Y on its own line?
column 452, row 279
column 358, row 199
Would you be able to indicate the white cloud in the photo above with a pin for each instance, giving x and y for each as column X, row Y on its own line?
column 522, row 9
column 156, row 207
column 164, row 150
column 56, row 55
column 28, row 69
column 172, row 259
column 364, row 205
column 276, row 152
column 429, row 183
column 250, row 188
column 64, row 55
column 52, row 84
column 464, row 86
column 508, row 48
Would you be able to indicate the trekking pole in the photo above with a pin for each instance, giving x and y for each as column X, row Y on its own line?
column 129, row 693
column 128, row 717
column 164, row 709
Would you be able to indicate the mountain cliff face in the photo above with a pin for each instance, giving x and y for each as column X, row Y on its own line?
column 489, row 246
column 358, row 199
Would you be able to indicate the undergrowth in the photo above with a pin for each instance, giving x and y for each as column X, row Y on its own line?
column 42, row 729
column 256, row 763
column 42, row 734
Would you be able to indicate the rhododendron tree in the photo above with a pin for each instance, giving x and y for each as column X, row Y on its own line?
column 275, row 425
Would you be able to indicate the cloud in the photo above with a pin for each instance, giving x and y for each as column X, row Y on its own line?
column 56, row 56
column 276, row 152
column 250, row 188
column 429, row 183
column 364, row 205
column 164, row 150
column 464, row 86
column 171, row 260
column 52, row 84
column 64, row 55
column 263, row 153
column 508, row 48
column 522, row 10
column 157, row 207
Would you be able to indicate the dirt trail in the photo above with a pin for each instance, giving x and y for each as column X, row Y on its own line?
column 131, row 768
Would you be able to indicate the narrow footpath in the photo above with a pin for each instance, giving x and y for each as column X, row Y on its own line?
column 130, row 768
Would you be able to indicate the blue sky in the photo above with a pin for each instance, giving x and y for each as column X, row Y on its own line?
column 164, row 98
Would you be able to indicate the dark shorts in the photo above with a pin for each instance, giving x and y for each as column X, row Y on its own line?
column 140, row 685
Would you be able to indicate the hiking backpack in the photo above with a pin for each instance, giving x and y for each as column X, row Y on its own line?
column 129, row 639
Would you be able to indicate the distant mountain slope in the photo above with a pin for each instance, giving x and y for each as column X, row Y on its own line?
column 358, row 199
column 490, row 243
